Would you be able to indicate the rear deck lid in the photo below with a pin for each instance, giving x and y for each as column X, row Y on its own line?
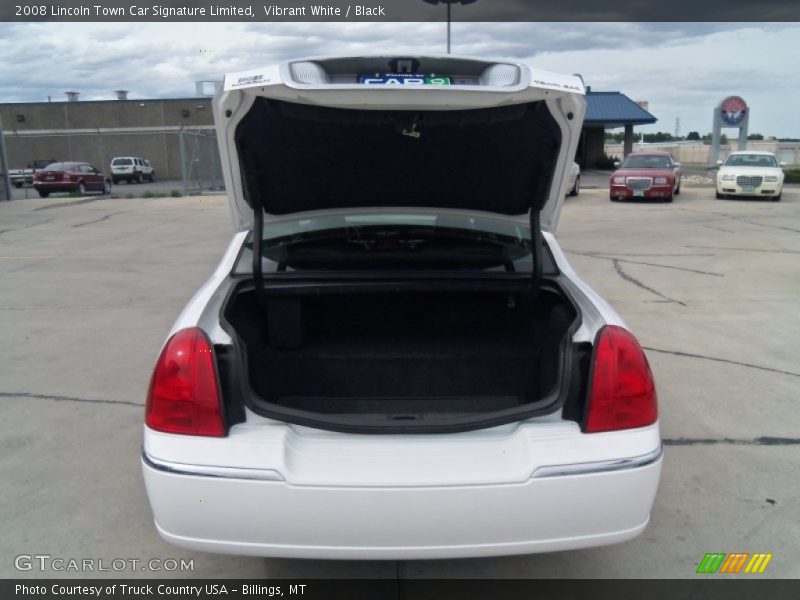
column 378, row 132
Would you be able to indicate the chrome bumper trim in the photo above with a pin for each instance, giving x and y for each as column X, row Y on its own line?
column 603, row 466
column 207, row 471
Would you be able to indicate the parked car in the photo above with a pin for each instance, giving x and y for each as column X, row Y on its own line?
column 750, row 173
column 646, row 176
column 574, row 180
column 20, row 177
column 70, row 176
column 131, row 169
column 394, row 358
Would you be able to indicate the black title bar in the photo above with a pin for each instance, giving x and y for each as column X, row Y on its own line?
column 174, row 11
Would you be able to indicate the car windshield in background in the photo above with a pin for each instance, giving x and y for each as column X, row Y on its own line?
column 121, row 162
column 643, row 161
column 751, row 160
column 397, row 241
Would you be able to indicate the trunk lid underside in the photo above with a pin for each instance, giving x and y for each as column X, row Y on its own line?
column 297, row 158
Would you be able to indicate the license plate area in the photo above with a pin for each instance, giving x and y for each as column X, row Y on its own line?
column 404, row 79
column 638, row 193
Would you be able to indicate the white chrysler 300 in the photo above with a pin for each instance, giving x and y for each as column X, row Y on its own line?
column 750, row 173
column 394, row 358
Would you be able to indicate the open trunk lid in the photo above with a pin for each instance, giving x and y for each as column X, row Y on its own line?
column 433, row 132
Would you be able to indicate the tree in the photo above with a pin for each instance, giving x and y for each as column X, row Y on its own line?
column 693, row 136
column 723, row 139
column 660, row 136
column 616, row 138
column 755, row 136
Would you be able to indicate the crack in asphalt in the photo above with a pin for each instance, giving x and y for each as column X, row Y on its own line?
column 653, row 254
column 738, row 218
column 722, row 360
column 613, row 256
column 70, row 203
column 759, row 441
column 718, row 229
column 745, row 249
column 636, row 282
column 743, row 220
column 66, row 398
column 103, row 218
column 2, row 231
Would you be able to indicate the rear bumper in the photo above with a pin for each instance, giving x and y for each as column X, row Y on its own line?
column 56, row 186
column 256, row 512
column 20, row 178
column 128, row 176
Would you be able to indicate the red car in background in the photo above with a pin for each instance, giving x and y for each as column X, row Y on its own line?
column 646, row 176
column 78, row 177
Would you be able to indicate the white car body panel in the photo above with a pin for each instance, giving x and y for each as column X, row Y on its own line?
column 270, row 488
column 275, row 518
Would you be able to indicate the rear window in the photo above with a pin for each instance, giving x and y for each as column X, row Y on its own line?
column 58, row 166
column 406, row 241
column 121, row 162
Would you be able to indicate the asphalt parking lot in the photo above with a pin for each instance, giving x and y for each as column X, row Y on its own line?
column 90, row 289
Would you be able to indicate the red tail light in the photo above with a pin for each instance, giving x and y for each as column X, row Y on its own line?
column 184, row 392
column 622, row 393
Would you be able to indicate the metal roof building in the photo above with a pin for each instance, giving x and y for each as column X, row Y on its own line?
column 614, row 109
column 608, row 110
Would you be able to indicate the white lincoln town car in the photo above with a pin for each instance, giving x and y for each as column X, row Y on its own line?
column 393, row 359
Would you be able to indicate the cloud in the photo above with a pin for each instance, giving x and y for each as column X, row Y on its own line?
column 681, row 68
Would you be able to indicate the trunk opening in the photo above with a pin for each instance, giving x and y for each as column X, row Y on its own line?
column 405, row 359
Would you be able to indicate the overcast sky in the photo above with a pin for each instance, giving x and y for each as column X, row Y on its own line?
column 682, row 69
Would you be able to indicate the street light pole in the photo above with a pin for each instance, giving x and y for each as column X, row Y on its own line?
column 449, row 4
column 448, row 27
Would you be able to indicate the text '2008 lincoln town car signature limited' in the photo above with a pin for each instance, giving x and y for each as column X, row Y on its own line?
column 394, row 359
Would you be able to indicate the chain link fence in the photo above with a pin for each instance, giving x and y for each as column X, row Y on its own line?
column 201, row 167
column 5, row 182
column 183, row 158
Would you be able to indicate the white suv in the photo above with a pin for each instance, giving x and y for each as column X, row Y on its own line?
column 131, row 169
column 394, row 359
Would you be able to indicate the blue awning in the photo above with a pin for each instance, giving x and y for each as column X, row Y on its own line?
column 614, row 109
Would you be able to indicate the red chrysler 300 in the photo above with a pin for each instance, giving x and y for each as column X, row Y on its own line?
column 646, row 176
